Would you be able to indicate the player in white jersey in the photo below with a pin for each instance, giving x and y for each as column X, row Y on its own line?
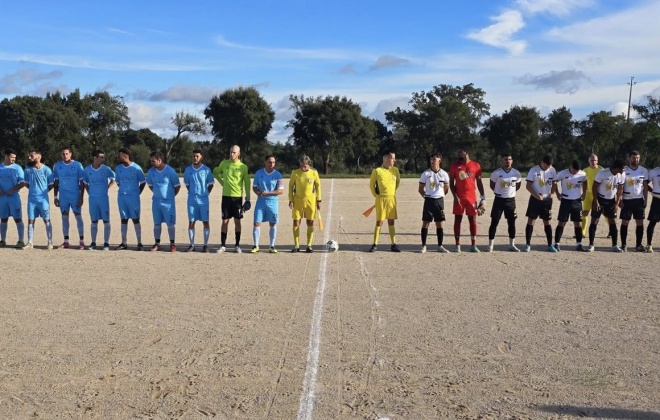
column 633, row 205
column 654, row 211
column 541, row 186
column 198, row 179
column 573, row 183
column 433, row 187
column 607, row 189
column 504, row 182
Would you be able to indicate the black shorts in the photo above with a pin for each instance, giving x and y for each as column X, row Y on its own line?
column 232, row 207
column 570, row 208
column 539, row 209
column 506, row 206
column 607, row 208
column 654, row 211
column 633, row 209
column 434, row 209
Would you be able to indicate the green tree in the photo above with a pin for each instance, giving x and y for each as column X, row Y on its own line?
column 649, row 112
column 240, row 116
column 602, row 133
column 516, row 131
column 559, row 140
column 184, row 123
column 327, row 128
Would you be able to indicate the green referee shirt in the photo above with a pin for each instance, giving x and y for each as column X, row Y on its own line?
column 234, row 178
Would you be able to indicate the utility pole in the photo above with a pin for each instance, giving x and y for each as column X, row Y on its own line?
column 631, row 83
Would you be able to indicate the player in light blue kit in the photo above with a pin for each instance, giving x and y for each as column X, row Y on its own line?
column 164, row 182
column 68, row 176
column 130, row 179
column 11, row 180
column 39, row 179
column 268, row 186
column 198, row 179
column 98, row 179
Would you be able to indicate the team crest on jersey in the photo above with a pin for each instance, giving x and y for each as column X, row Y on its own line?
column 570, row 185
column 462, row 175
column 608, row 186
column 310, row 181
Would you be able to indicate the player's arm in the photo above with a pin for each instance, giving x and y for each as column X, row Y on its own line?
column 398, row 178
column 420, row 188
column 519, row 183
column 446, row 183
column 174, row 177
column 292, row 188
column 218, row 174
column 554, row 190
column 585, row 186
column 492, row 180
column 246, row 182
column 56, row 192
column 317, row 188
column 530, row 188
column 645, row 189
column 595, row 206
column 372, row 183
column 279, row 188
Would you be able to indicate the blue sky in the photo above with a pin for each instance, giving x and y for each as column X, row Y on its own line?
column 165, row 56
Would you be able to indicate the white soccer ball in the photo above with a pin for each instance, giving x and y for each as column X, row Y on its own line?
column 332, row 245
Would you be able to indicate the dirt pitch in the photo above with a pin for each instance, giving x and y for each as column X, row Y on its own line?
column 122, row 334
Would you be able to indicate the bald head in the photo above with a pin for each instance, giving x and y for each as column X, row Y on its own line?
column 593, row 160
column 234, row 153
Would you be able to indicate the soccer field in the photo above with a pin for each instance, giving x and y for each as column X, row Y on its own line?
column 350, row 334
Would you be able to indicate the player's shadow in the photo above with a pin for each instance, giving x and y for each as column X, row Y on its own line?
column 601, row 412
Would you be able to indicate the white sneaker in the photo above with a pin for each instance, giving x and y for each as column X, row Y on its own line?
column 28, row 245
column 238, row 249
column 442, row 250
column 615, row 248
column 490, row 248
column 513, row 248
column 423, row 250
column 221, row 249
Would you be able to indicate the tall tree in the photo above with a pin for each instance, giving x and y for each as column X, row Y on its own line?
column 559, row 140
column 327, row 128
column 517, row 132
column 602, row 133
column 649, row 112
column 184, row 123
column 240, row 116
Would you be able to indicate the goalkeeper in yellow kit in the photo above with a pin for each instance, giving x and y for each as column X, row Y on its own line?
column 304, row 200
column 384, row 182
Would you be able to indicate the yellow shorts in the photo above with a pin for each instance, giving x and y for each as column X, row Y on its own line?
column 588, row 201
column 385, row 208
column 304, row 208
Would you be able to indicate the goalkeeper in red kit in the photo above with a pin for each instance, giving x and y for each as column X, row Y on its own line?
column 464, row 180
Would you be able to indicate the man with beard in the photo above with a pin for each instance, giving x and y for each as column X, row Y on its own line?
column 608, row 188
column 39, row 179
column 11, row 181
column 68, row 185
column 504, row 182
column 464, row 180
column 540, row 184
column 130, row 179
column 433, row 186
column 98, row 179
column 573, row 183
column 198, row 179
column 633, row 205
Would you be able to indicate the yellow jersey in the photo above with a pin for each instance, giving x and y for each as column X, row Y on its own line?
column 384, row 182
column 591, row 175
column 305, row 184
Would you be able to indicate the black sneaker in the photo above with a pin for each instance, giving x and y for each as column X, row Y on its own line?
column 395, row 248
column 373, row 248
column 140, row 247
column 205, row 249
column 296, row 249
column 121, row 247
column 309, row 250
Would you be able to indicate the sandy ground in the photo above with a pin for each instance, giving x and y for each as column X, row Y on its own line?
column 124, row 334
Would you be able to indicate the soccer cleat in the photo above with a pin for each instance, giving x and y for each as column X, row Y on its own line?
column 106, row 246
column 191, row 248
column 590, row 248
column 513, row 248
column 458, row 249
column 238, row 249
column 28, row 245
column 3, row 244
column 551, row 248
column 50, row 246
column 557, row 247
column 272, row 250
column 624, row 248
column 92, row 246
column 640, row 248
column 81, row 245
column 255, row 249
column 615, row 248
column 442, row 249
column 579, row 248
column 172, row 248
column 65, row 245
column 423, row 250
column 140, row 247
column 20, row 245
column 373, row 248
column 221, row 249
column 205, row 249
column 490, row 248
column 649, row 248
column 474, row 249
column 395, row 248
column 309, row 250
column 122, row 247
column 156, row 247
column 296, row 249
column 527, row 248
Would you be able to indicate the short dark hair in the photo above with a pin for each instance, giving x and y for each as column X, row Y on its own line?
column 576, row 165
column 127, row 152
column 268, row 157
column 67, row 148
column 633, row 153
column 388, row 152
column 436, row 155
column 505, row 154
column 97, row 152
column 618, row 164
column 198, row 151
column 10, row 151
column 547, row 159
column 157, row 155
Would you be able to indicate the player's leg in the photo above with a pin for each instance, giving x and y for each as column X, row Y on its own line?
column 104, row 204
column 391, row 217
column 546, row 216
column 427, row 217
column 204, row 214
column 296, row 215
column 226, row 216
column 638, row 214
column 625, row 216
column 237, row 215
column 511, row 215
column 94, row 216
column 532, row 213
column 586, row 209
column 192, row 208
column 169, row 212
column 272, row 217
column 4, row 219
column 471, row 213
column 380, row 217
column 259, row 210
column 17, row 214
column 158, row 218
column 458, row 211
column 653, row 218
column 609, row 211
column 495, row 216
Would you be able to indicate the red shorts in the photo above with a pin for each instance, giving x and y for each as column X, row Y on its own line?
column 465, row 205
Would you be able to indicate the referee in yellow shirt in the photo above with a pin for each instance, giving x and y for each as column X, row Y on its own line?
column 304, row 200
column 591, row 171
column 384, row 182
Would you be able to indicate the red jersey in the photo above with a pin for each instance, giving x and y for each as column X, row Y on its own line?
column 465, row 176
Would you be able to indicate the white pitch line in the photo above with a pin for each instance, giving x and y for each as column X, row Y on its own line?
column 309, row 384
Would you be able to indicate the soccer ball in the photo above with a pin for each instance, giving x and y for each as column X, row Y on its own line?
column 332, row 245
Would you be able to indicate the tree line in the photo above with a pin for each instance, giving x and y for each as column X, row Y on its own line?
column 332, row 130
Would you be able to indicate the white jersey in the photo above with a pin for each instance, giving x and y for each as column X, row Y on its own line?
column 506, row 183
column 571, row 184
column 434, row 182
column 542, row 180
column 635, row 182
column 654, row 181
column 609, row 183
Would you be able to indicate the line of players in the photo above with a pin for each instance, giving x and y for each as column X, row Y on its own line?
column 69, row 181
column 594, row 191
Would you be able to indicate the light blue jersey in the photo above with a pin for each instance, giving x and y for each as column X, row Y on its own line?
column 129, row 179
column 163, row 183
column 68, row 177
column 38, row 180
column 10, row 176
column 266, row 209
column 10, row 205
column 198, row 181
column 98, row 180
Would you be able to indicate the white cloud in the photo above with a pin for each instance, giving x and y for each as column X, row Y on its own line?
column 388, row 61
column 565, row 81
column 500, row 34
column 554, row 7
column 23, row 79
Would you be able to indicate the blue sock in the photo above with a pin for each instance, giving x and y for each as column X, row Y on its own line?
column 138, row 232
column 95, row 231
column 3, row 231
column 21, row 231
column 106, row 232
column 49, row 231
column 157, row 231
column 65, row 226
column 124, row 232
column 81, row 226
column 171, row 231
